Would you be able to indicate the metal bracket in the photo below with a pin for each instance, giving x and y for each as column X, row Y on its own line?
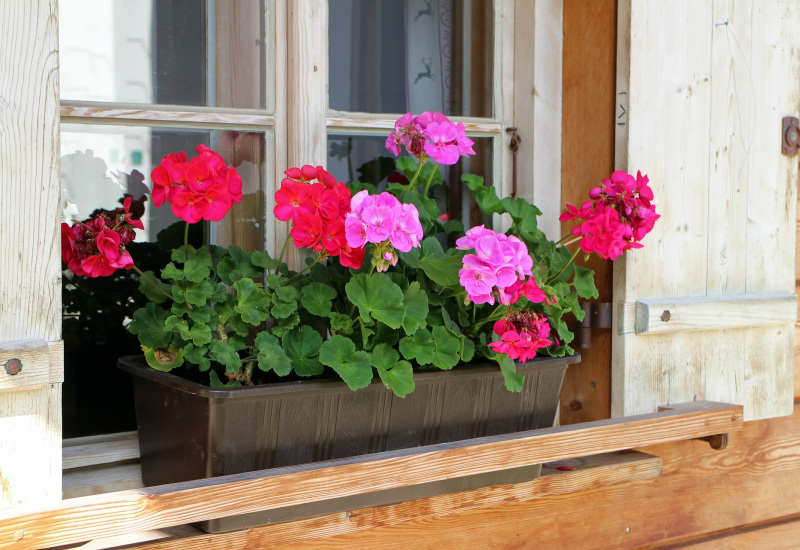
column 790, row 136
column 596, row 315
column 716, row 441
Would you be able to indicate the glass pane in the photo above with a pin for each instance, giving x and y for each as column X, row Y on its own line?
column 365, row 158
column 183, row 52
column 395, row 56
column 100, row 165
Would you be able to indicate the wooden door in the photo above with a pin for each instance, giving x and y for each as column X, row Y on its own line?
column 30, row 268
column 706, row 309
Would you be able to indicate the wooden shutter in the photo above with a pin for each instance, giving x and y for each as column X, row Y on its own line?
column 706, row 309
column 30, row 268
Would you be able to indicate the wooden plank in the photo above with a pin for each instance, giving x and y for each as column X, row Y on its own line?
column 92, row 454
column 701, row 491
column 538, row 50
column 126, row 511
column 353, row 122
column 81, row 113
column 307, row 90
column 660, row 315
column 277, row 231
column 667, row 88
column 30, row 266
column 41, row 363
column 588, row 109
column 588, row 473
column 100, row 479
column 100, row 438
column 776, row 535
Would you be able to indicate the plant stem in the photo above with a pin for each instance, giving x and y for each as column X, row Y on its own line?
column 430, row 179
column 571, row 260
column 152, row 282
column 416, row 174
column 296, row 275
column 283, row 251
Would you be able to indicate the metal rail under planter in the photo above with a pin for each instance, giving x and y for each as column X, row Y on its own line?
column 188, row 431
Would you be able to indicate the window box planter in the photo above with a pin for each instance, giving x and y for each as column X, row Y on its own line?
column 188, row 431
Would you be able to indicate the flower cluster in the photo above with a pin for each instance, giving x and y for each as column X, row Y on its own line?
column 619, row 215
column 96, row 246
column 202, row 188
column 317, row 205
column 383, row 220
column 497, row 269
column 521, row 334
column 430, row 135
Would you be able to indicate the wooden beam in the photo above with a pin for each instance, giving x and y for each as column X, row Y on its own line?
column 84, row 112
column 93, row 454
column 38, row 363
column 126, row 511
column 588, row 473
column 709, row 312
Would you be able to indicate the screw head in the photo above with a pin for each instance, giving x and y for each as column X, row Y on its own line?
column 13, row 366
column 665, row 315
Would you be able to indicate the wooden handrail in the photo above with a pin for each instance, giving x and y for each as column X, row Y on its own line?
column 87, row 518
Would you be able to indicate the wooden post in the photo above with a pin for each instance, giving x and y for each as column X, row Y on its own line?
column 30, row 269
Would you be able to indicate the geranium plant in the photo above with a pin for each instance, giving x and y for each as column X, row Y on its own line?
column 381, row 291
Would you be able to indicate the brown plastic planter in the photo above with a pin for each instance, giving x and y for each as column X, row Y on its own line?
column 188, row 431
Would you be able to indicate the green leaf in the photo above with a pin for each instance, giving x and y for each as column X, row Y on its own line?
column 148, row 325
column 172, row 272
column 225, row 354
column 420, row 347
column 441, row 268
column 198, row 356
column 467, row 349
column 584, row 283
column 407, row 165
column 285, row 325
column 366, row 334
column 200, row 314
column 448, row 347
column 282, row 310
column 486, row 197
column 271, row 355
column 415, row 306
column 216, row 383
column 512, row 378
column 396, row 375
column 317, row 299
column 353, row 366
column 163, row 360
column 252, row 303
column 376, row 297
column 302, row 346
column 199, row 335
column 263, row 260
column 341, row 323
column 286, row 293
column 199, row 294
column 236, row 265
column 523, row 213
column 155, row 290
column 198, row 267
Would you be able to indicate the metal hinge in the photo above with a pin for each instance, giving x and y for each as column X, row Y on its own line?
column 596, row 315
column 791, row 136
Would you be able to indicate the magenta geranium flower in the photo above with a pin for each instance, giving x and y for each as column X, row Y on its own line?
column 430, row 135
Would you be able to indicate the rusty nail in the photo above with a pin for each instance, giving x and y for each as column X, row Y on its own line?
column 665, row 316
column 13, row 366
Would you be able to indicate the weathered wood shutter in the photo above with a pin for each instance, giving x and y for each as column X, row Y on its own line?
column 706, row 310
column 30, row 269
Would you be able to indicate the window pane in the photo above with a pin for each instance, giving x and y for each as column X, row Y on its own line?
column 395, row 56
column 100, row 164
column 365, row 158
column 183, row 52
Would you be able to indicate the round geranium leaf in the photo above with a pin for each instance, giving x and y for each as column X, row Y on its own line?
column 377, row 297
column 317, row 298
column 271, row 355
column 353, row 366
column 302, row 346
column 420, row 347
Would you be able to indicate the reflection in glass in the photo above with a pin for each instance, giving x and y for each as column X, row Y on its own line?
column 365, row 158
column 395, row 56
column 178, row 52
column 100, row 165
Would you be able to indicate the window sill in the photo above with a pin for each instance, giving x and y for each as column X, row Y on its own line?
column 126, row 512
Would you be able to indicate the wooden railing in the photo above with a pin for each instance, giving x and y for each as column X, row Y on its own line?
column 87, row 518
